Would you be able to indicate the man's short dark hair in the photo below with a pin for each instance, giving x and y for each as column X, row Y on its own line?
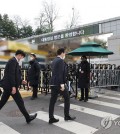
column 32, row 54
column 60, row 51
column 84, row 57
column 20, row 52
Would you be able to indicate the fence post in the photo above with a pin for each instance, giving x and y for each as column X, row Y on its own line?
column 119, row 80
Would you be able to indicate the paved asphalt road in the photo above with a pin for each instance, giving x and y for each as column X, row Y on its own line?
column 97, row 116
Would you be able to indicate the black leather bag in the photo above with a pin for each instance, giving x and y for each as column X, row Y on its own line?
column 1, row 83
column 0, row 92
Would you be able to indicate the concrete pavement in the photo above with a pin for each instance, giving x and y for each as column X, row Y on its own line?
column 97, row 116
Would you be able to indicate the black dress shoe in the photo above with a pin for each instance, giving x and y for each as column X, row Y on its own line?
column 69, row 118
column 32, row 117
column 53, row 120
column 81, row 99
column 85, row 100
column 32, row 98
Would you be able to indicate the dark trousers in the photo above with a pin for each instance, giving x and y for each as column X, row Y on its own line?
column 18, row 99
column 35, row 91
column 86, row 93
column 54, row 94
column 0, row 92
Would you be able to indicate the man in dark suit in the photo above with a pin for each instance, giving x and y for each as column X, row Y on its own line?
column 11, row 82
column 57, row 83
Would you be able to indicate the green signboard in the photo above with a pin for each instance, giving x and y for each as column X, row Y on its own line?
column 87, row 30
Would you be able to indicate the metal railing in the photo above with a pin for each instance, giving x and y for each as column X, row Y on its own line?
column 101, row 76
column 104, row 78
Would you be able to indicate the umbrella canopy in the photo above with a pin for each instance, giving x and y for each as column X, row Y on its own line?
column 90, row 43
column 90, row 49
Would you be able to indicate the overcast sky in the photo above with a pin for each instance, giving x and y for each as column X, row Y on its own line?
column 89, row 10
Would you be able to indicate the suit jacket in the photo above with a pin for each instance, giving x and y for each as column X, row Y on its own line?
column 58, row 72
column 12, row 75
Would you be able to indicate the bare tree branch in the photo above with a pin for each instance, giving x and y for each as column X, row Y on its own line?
column 51, row 13
column 74, row 19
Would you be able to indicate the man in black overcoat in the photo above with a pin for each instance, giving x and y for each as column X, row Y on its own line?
column 84, row 77
column 57, row 83
column 11, row 82
column 33, row 75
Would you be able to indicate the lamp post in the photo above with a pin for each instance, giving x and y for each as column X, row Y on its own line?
column 72, row 21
